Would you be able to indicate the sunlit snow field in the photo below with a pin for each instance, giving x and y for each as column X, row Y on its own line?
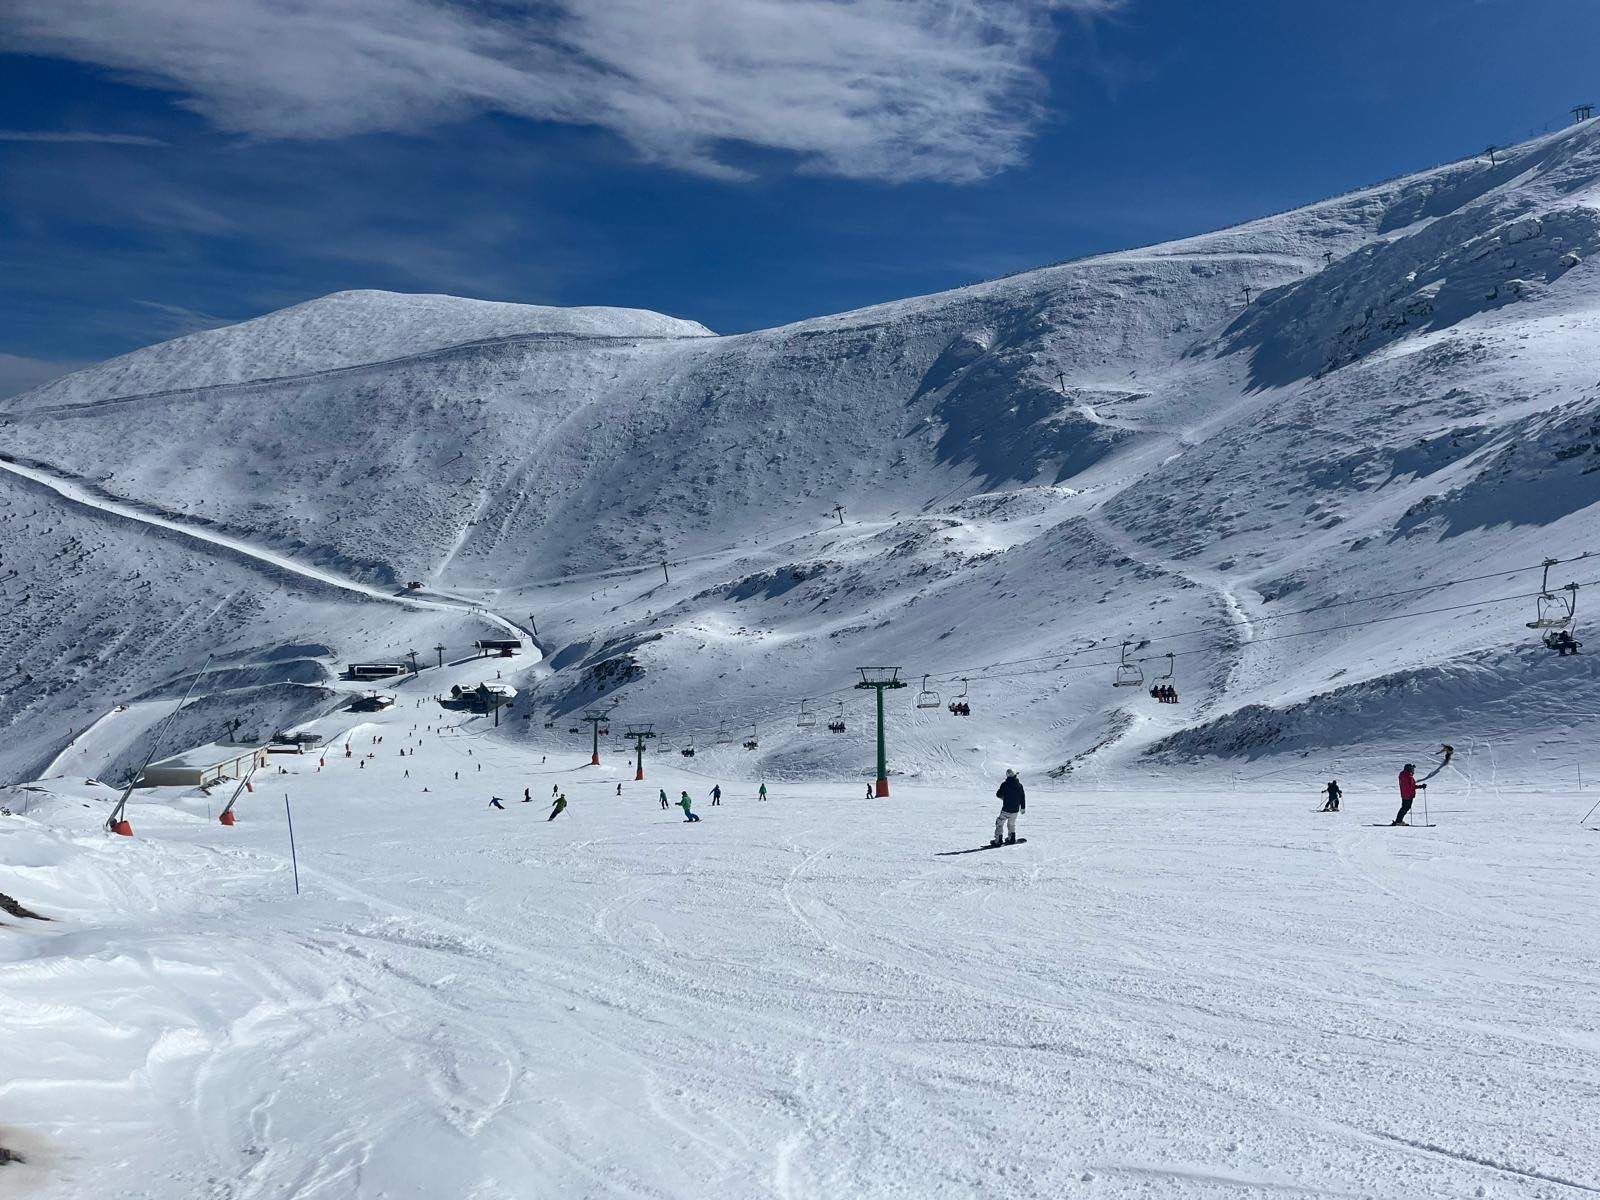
column 1202, row 988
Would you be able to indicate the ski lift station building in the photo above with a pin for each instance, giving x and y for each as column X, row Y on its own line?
column 204, row 765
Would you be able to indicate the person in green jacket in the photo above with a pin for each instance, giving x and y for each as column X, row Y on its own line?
column 683, row 802
column 762, row 794
column 561, row 807
column 665, row 804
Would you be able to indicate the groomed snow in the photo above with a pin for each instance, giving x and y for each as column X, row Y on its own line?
column 1209, row 991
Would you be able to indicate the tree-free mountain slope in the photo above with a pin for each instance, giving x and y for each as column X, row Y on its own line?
column 1034, row 468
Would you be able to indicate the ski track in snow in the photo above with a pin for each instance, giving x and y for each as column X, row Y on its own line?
column 795, row 998
column 76, row 492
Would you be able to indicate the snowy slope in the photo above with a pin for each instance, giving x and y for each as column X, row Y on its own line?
column 1039, row 467
column 346, row 329
column 1196, row 994
column 1329, row 501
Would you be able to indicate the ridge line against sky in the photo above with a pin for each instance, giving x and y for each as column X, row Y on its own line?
column 167, row 167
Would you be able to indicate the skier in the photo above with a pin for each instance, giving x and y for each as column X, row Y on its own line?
column 762, row 794
column 1408, row 792
column 683, row 802
column 527, row 796
column 561, row 805
column 716, row 794
column 665, row 803
column 1333, row 797
column 619, row 789
column 1013, row 800
column 869, row 791
column 494, row 802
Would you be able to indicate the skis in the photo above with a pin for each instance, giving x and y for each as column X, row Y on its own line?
column 976, row 849
column 1407, row 825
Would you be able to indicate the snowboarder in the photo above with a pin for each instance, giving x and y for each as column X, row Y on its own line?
column 1013, row 800
column 1408, row 792
column 527, row 796
column 561, row 805
column 665, row 803
column 716, row 795
column 619, row 788
column 762, row 794
column 869, row 791
column 494, row 802
column 683, row 802
column 1333, row 797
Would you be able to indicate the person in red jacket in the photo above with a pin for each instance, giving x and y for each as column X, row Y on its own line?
column 1408, row 792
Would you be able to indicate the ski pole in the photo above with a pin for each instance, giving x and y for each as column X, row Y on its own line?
column 1590, row 813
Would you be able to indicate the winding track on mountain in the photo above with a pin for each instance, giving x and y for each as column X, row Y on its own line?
column 80, row 492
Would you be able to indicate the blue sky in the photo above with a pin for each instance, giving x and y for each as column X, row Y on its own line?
column 166, row 166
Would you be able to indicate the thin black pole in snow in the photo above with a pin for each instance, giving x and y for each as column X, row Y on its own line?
column 294, row 860
column 1590, row 813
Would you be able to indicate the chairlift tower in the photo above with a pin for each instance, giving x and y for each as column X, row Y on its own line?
column 638, row 735
column 439, row 650
column 595, row 718
column 880, row 680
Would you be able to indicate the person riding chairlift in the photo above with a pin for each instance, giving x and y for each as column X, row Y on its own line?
column 1564, row 643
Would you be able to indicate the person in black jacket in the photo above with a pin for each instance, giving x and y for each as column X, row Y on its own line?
column 1334, row 795
column 1013, row 800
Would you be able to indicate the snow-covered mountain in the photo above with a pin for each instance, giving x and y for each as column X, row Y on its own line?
column 1187, row 445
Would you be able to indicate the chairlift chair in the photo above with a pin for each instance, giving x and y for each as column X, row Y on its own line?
column 723, row 736
column 837, row 724
column 1552, row 609
column 927, row 698
column 807, row 718
column 959, row 706
column 750, row 742
column 1128, row 672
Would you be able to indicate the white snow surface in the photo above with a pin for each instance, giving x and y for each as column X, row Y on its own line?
column 1205, row 992
column 1329, row 503
column 345, row 330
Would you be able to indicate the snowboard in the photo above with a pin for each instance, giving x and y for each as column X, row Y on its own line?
column 976, row 849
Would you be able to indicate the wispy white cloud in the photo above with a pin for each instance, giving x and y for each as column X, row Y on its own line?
column 874, row 89
column 72, row 136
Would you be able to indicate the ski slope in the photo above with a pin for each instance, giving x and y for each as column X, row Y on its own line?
column 1116, row 449
column 1319, row 459
column 1202, row 992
